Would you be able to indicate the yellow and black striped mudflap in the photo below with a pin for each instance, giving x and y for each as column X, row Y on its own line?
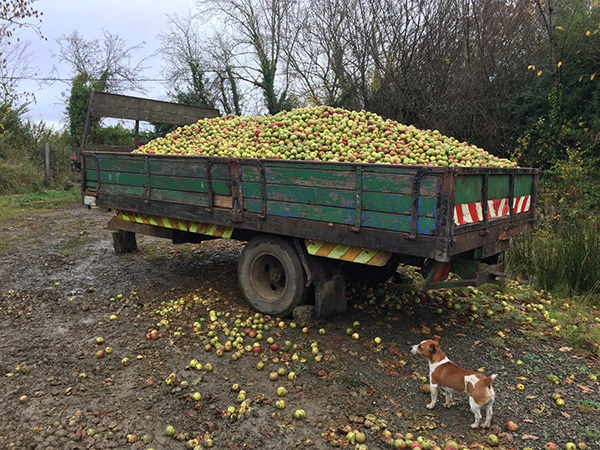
column 343, row 252
column 177, row 224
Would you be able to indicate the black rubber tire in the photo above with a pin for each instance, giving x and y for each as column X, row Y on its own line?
column 271, row 275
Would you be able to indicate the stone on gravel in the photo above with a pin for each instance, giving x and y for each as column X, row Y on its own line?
column 304, row 315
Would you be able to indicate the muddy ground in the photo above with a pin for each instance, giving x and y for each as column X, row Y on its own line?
column 62, row 287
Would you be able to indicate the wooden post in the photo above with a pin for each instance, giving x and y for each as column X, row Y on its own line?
column 136, row 136
column 48, row 173
column 124, row 242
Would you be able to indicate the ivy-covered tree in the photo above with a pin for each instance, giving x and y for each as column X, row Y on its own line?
column 77, row 107
column 97, row 65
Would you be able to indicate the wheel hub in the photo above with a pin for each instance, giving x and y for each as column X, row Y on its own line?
column 268, row 277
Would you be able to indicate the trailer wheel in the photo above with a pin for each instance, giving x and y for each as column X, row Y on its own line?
column 271, row 276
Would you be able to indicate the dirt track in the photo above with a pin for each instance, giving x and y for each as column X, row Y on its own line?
column 60, row 283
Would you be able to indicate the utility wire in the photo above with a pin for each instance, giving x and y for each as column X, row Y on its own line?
column 161, row 80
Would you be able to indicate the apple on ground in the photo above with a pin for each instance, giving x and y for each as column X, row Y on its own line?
column 300, row 414
column 493, row 440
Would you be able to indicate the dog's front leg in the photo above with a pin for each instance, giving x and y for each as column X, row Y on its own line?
column 488, row 413
column 476, row 411
column 434, row 391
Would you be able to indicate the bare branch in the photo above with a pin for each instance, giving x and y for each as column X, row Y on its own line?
column 109, row 58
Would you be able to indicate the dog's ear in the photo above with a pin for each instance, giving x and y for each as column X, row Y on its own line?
column 436, row 338
column 432, row 348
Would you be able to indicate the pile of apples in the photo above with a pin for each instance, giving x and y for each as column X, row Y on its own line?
column 321, row 133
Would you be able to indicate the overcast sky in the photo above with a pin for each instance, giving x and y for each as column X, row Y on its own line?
column 135, row 21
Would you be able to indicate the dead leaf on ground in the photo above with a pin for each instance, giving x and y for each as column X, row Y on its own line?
column 585, row 389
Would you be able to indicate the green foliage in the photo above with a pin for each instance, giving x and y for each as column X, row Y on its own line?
column 114, row 135
column 559, row 105
column 563, row 254
column 12, row 136
column 60, row 150
column 23, row 156
column 81, row 89
column 563, row 259
column 19, row 177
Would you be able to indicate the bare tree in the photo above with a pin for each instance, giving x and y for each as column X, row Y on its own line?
column 184, row 56
column 319, row 60
column 16, row 14
column 261, row 29
column 108, row 59
column 15, row 59
column 226, row 84
column 16, row 65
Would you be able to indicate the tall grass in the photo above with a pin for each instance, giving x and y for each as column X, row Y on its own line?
column 564, row 258
column 19, row 177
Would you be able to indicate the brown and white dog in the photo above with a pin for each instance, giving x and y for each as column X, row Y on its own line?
column 452, row 379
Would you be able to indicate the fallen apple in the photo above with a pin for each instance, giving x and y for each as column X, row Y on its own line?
column 281, row 391
column 360, row 437
column 300, row 414
column 399, row 444
column 493, row 440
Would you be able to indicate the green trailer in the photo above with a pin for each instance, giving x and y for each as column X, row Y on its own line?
column 310, row 226
column 318, row 223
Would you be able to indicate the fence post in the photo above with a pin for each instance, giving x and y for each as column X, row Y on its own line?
column 48, row 173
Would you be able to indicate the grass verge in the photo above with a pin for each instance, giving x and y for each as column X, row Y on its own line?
column 14, row 206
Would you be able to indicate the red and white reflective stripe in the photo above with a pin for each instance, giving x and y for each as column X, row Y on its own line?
column 498, row 208
column 467, row 213
column 522, row 204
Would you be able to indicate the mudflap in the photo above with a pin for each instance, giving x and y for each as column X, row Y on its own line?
column 329, row 283
column 330, row 286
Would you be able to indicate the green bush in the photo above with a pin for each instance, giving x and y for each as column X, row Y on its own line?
column 19, row 177
column 563, row 259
